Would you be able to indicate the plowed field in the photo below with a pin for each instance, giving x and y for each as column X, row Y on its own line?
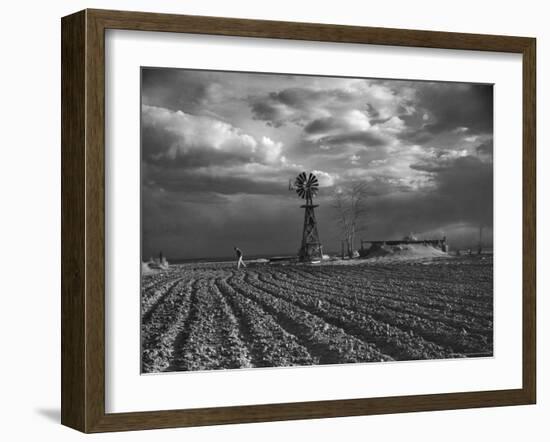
column 213, row 316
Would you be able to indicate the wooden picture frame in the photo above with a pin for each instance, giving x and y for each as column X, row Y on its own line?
column 83, row 220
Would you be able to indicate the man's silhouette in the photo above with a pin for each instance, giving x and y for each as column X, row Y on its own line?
column 239, row 254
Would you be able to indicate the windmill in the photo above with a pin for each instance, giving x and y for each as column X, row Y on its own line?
column 307, row 187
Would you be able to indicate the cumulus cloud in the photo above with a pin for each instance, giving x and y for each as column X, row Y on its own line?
column 325, row 179
column 191, row 153
column 438, row 160
column 354, row 120
column 175, row 137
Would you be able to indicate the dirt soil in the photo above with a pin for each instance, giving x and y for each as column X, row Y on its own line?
column 213, row 316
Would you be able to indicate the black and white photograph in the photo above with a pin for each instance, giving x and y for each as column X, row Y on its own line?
column 301, row 220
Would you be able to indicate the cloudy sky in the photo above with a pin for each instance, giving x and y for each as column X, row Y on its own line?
column 218, row 150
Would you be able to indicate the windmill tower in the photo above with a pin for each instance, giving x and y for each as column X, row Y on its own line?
column 306, row 187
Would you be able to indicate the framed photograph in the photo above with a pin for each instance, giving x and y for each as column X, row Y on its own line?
column 266, row 221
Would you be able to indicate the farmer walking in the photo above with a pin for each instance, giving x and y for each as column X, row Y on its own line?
column 239, row 257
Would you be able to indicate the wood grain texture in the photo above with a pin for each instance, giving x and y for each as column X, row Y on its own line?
column 73, row 256
column 144, row 21
column 529, row 220
column 95, row 221
column 83, row 220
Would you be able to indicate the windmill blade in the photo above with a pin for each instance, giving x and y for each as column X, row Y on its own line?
column 312, row 182
column 306, row 185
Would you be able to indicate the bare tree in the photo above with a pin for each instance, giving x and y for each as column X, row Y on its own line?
column 350, row 204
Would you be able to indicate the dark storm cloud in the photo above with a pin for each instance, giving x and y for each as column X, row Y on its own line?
column 462, row 192
column 270, row 113
column 485, row 148
column 174, row 89
column 295, row 105
column 224, row 181
column 155, row 140
column 304, row 98
column 465, row 105
column 340, row 124
column 363, row 138
column 448, row 107
column 416, row 136
column 467, row 187
column 322, row 125
column 375, row 115
column 377, row 186
column 200, row 229
column 376, row 121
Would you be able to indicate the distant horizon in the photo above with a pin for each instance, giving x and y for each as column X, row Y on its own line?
column 231, row 257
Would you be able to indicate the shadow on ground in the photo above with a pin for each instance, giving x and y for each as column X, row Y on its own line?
column 51, row 414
